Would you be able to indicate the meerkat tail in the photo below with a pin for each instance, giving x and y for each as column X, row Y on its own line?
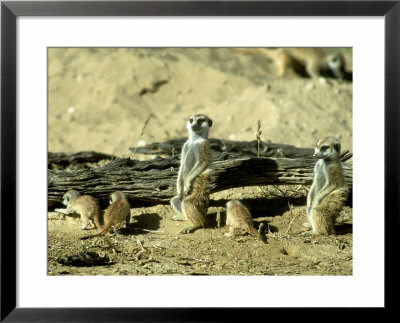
column 103, row 230
column 96, row 217
column 323, row 216
column 97, row 223
column 257, row 234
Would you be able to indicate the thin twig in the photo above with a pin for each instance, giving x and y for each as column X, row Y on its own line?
column 291, row 221
column 141, row 134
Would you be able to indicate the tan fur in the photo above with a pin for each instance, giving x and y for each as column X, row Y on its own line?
column 86, row 206
column 324, row 215
column 117, row 213
column 195, row 204
column 192, row 201
column 238, row 217
column 328, row 193
column 315, row 61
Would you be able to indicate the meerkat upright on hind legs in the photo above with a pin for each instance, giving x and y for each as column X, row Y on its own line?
column 86, row 206
column 116, row 215
column 238, row 217
column 192, row 201
column 328, row 192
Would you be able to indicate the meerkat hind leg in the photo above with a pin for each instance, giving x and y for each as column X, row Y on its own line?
column 191, row 229
column 194, row 213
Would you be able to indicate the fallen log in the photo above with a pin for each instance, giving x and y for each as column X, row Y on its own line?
column 154, row 182
column 243, row 148
column 65, row 159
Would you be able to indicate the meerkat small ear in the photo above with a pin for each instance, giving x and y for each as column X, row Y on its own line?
column 210, row 122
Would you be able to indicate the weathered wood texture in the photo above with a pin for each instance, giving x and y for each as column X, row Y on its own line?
column 154, row 182
column 65, row 159
column 218, row 146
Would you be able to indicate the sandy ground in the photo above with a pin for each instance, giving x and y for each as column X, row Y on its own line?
column 100, row 99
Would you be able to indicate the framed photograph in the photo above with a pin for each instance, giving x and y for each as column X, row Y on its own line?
column 88, row 86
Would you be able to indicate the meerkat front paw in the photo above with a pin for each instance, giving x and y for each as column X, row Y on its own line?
column 189, row 230
column 307, row 225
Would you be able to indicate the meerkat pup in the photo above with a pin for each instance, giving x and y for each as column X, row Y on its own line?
column 328, row 192
column 315, row 62
column 238, row 218
column 86, row 206
column 192, row 201
column 116, row 215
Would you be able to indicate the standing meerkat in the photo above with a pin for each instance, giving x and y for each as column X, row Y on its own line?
column 328, row 192
column 238, row 217
column 116, row 215
column 192, row 201
column 86, row 206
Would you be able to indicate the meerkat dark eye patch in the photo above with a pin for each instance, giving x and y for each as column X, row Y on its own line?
column 336, row 147
column 324, row 148
column 191, row 120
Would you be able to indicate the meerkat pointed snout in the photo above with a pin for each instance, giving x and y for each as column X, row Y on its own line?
column 328, row 191
column 238, row 218
column 191, row 202
column 116, row 215
column 84, row 205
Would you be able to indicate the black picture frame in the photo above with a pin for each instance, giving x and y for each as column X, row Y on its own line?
column 10, row 10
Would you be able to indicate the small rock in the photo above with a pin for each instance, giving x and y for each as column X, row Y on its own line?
column 310, row 86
